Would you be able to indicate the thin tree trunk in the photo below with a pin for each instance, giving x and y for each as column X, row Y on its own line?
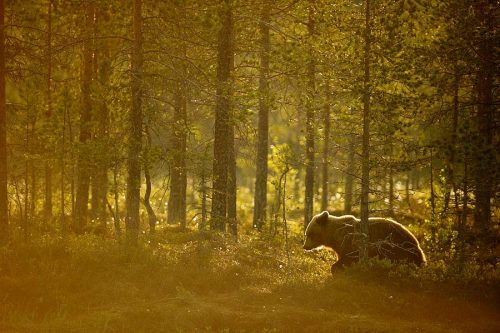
column 83, row 163
column 178, row 178
column 72, row 158
column 391, row 189
column 450, row 181
column 135, row 123
column 326, row 150
column 223, row 123
column 48, row 169
column 203, row 180
column 147, row 195
column 260, row 198
column 285, row 222
column 407, row 191
column 34, row 178
column 116, row 217
column 26, row 180
column 433, row 194
column 231, row 186
column 101, row 138
column 463, row 219
column 4, row 213
column 349, row 178
column 365, row 162
column 484, row 172
column 310, row 121
column 62, row 163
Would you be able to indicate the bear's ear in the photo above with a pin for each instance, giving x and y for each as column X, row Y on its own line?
column 323, row 218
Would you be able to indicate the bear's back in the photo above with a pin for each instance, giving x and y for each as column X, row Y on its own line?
column 396, row 233
column 349, row 219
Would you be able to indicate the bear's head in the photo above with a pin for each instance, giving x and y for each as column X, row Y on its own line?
column 315, row 231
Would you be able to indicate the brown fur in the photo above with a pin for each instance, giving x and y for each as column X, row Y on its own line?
column 387, row 239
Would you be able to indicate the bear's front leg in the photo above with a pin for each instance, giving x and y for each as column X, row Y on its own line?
column 342, row 263
column 336, row 267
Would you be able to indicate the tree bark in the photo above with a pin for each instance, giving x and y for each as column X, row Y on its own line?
column 4, row 215
column 83, row 162
column 178, row 177
column 223, row 121
column 135, row 139
column 407, row 191
column 116, row 217
column 25, row 221
column 260, row 198
column 203, row 185
column 34, row 181
column 433, row 193
column 48, row 115
column 231, row 186
column 101, row 137
column 349, row 178
column 326, row 151
column 450, row 177
column 485, row 158
column 63, row 164
column 391, row 192
column 147, row 195
column 365, row 162
column 310, row 121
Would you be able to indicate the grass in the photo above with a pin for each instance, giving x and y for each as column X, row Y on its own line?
column 189, row 282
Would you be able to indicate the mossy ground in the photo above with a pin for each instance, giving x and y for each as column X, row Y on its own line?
column 188, row 282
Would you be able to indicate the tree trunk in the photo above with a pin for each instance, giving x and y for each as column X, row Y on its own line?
column 135, row 138
column 34, row 178
column 83, row 163
column 63, row 164
column 391, row 187
column 450, row 177
column 407, row 191
column 101, row 138
column 260, row 198
column 349, row 178
column 462, row 220
column 116, row 217
column 326, row 150
column 72, row 158
column 178, row 178
column 310, row 121
column 485, row 159
column 48, row 168
column 365, row 162
column 231, row 186
column 25, row 221
column 147, row 195
column 4, row 214
column 203, row 181
column 433, row 194
column 223, row 123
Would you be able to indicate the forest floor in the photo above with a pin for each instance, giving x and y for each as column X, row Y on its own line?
column 196, row 283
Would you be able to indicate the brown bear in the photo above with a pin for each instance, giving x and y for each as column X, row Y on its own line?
column 387, row 239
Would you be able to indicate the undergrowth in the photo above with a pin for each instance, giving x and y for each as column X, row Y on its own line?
column 210, row 282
